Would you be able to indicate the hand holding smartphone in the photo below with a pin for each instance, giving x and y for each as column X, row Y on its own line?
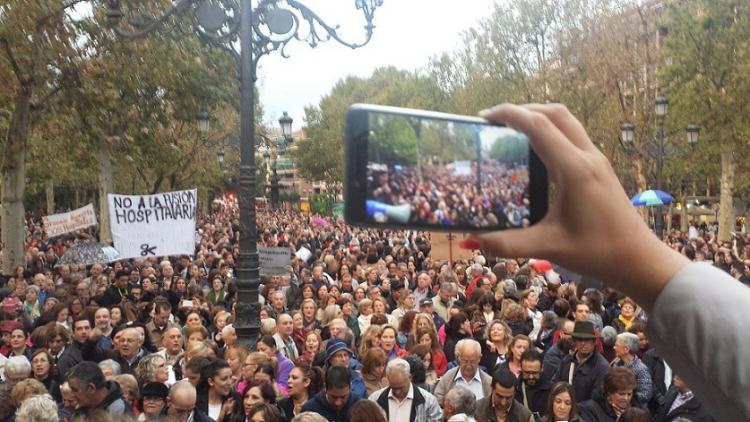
column 434, row 171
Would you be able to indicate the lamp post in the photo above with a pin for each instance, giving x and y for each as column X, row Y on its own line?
column 657, row 148
column 260, row 30
column 285, row 122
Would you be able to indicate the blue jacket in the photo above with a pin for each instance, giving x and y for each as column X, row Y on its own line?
column 318, row 404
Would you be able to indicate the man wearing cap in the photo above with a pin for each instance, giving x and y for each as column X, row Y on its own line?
column 426, row 306
column 585, row 368
column 338, row 354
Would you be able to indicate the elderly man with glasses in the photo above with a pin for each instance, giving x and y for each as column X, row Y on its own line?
column 181, row 404
column 467, row 374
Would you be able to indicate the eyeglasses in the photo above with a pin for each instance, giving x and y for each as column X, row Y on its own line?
column 153, row 398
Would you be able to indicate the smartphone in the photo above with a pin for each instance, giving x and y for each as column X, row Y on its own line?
column 187, row 303
column 433, row 171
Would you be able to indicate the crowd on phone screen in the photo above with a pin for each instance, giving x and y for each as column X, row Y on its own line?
column 447, row 196
column 370, row 315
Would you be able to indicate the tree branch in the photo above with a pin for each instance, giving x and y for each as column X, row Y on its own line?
column 22, row 78
column 39, row 104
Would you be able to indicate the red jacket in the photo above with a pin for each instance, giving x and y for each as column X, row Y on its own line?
column 439, row 361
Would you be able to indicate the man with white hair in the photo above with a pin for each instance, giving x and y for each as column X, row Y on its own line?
column 402, row 401
column 467, row 373
column 17, row 368
column 459, row 405
column 475, row 274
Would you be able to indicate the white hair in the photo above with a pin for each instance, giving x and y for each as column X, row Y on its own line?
column 398, row 365
column 472, row 342
column 461, row 399
column 461, row 417
column 41, row 408
column 631, row 340
column 309, row 417
column 225, row 331
column 112, row 365
column 18, row 365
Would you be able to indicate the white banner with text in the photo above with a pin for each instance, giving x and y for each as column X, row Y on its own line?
column 57, row 224
column 153, row 225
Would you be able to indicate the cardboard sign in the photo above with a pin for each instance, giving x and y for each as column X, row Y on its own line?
column 445, row 247
column 153, row 225
column 57, row 224
column 273, row 261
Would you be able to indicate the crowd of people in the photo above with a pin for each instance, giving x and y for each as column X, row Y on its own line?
column 447, row 195
column 369, row 316
column 372, row 328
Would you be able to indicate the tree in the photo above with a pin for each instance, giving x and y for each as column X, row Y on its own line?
column 39, row 55
column 707, row 77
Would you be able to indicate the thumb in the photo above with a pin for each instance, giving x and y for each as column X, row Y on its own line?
column 534, row 241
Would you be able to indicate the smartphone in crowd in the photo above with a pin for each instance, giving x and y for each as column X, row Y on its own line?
column 419, row 169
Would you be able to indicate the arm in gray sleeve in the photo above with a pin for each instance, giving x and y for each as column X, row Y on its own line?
column 699, row 325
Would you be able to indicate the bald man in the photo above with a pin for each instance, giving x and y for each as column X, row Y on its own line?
column 181, row 403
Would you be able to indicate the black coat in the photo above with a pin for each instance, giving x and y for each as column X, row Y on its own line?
column 691, row 410
column 597, row 410
column 656, row 367
column 536, row 395
column 587, row 378
column 451, row 338
column 71, row 357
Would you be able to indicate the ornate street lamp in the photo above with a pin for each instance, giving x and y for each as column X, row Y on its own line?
column 220, row 155
column 286, row 127
column 204, row 121
column 692, row 132
column 260, row 30
column 656, row 148
column 627, row 135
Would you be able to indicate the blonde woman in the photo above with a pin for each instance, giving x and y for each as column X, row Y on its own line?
column 309, row 315
column 326, row 316
column 421, row 322
column 365, row 314
column 370, row 339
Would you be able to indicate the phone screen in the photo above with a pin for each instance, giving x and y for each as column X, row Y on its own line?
column 436, row 172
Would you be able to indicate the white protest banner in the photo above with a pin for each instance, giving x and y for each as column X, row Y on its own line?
column 57, row 224
column 153, row 225
column 273, row 261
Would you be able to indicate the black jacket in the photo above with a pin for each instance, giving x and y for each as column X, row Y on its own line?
column 536, row 395
column 318, row 404
column 597, row 410
column 71, row 357
column 691, row 409
column 587, row 377
column 656, row 367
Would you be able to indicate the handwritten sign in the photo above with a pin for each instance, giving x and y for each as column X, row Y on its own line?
column 57, row 224
column 273, row 261
column 153, row 225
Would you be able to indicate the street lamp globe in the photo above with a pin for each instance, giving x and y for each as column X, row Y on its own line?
column 692, row 132
column 627, row 134
column 286, row 126
column 660, row 105
column 204, row 121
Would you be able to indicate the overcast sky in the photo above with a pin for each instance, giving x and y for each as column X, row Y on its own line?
column 407, row 34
